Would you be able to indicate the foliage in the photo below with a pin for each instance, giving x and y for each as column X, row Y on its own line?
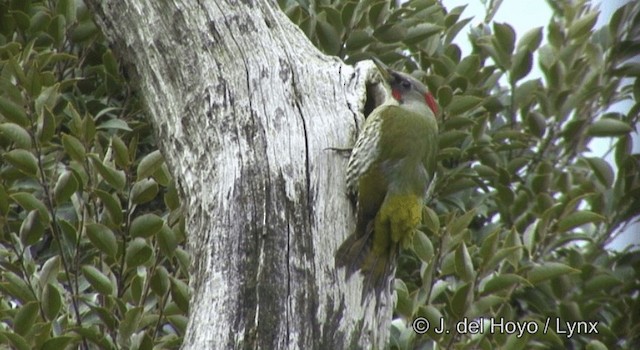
column 521, row 213
column 90, row 224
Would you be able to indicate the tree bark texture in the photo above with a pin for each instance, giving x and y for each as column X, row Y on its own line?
column 245, row 110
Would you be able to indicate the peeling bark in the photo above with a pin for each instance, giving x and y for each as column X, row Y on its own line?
column 245, row 110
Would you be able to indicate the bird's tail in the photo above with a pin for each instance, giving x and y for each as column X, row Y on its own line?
column 357, row 253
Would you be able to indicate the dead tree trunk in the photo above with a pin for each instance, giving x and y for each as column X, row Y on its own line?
column 245, row 109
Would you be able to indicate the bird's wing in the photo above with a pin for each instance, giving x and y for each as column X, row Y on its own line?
column 364, row 152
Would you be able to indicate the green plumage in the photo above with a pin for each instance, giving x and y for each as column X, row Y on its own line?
column 390, row 169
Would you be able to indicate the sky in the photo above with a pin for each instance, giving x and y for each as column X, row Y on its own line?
column 526, row 15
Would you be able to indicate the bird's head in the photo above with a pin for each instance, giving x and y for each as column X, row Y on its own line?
column 406, row 89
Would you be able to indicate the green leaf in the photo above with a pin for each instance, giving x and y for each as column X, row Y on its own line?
column 116, row 178
column 31, row 229
column 99, row 281
column 65, row 186
column 469, row 66
column 521, row 66
column 23, row 160
column 502, row 281
column 609, row 127
column 30, row 202
column 49, row 271
column 505, row 36
column 583, row 25
column 57, row 343
column 149, row 164
column 17, row 341
column 129, row 325
column 160, row 281
column 180, row 294
column 531, row 40
column 51, row 301
column 25, row 318
column 13, row 112
column 18, row 135
column 548, row 270
column 577, row 219
column 138, row 252
column 460, row 104
column 420, row 32
column 463, row 263
column 120, row 151
column 422, row 246
column 328, row 37
column 167, row 240
column 602, row 170
column 146, row 225
column 102, row 238
column 144, row 191
column 390, row 33
column 114, row 124
column 113, row 206
column 461, row 299
column 74, row 148
column 461, row 223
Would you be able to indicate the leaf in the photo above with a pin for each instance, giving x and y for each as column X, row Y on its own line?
column 65, row 186
column 461, row 223
column 505, row 36
column 51, row 301
column 13, row 112
column 577, row 219
column 116, row 178
column 420, row 32
column 608, row 127
column 460, row 104
column 149, row 164
column 531, row 40
column 114, row 124
column 548, row 270
column 180, row 294
column 328, row 37
column 463, row 263
column 602, row 170
column 167, row 240
column 583, row 25
column 160, row 281
column 26, row 317
column 502, row 281
column 17, row 134
column 31, row 229
column 521, row 66
column 23, row 160
column 30, row 202
column 146, row 225
column 138, row 252
column 102, row 238
column 422, row 246
column 144, row 191
column 112, row 204
column 99, row 281
column 57, row 343
column 129, row 325
column 74, row 148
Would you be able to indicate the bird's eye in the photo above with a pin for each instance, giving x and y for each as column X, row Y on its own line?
column 405, row 84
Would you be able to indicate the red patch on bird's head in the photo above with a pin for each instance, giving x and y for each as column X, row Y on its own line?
column 396, row 94
column 431, row 102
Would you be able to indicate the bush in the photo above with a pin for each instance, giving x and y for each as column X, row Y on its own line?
column 91, row 230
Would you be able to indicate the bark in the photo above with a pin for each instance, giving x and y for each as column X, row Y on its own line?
column 245, row 109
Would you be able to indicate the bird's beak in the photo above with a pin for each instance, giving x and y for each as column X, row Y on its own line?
column 384, row 70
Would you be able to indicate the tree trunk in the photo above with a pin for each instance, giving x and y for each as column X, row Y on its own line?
column 245, row 110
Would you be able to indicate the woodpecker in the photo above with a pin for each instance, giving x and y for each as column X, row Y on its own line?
column 389, row 171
